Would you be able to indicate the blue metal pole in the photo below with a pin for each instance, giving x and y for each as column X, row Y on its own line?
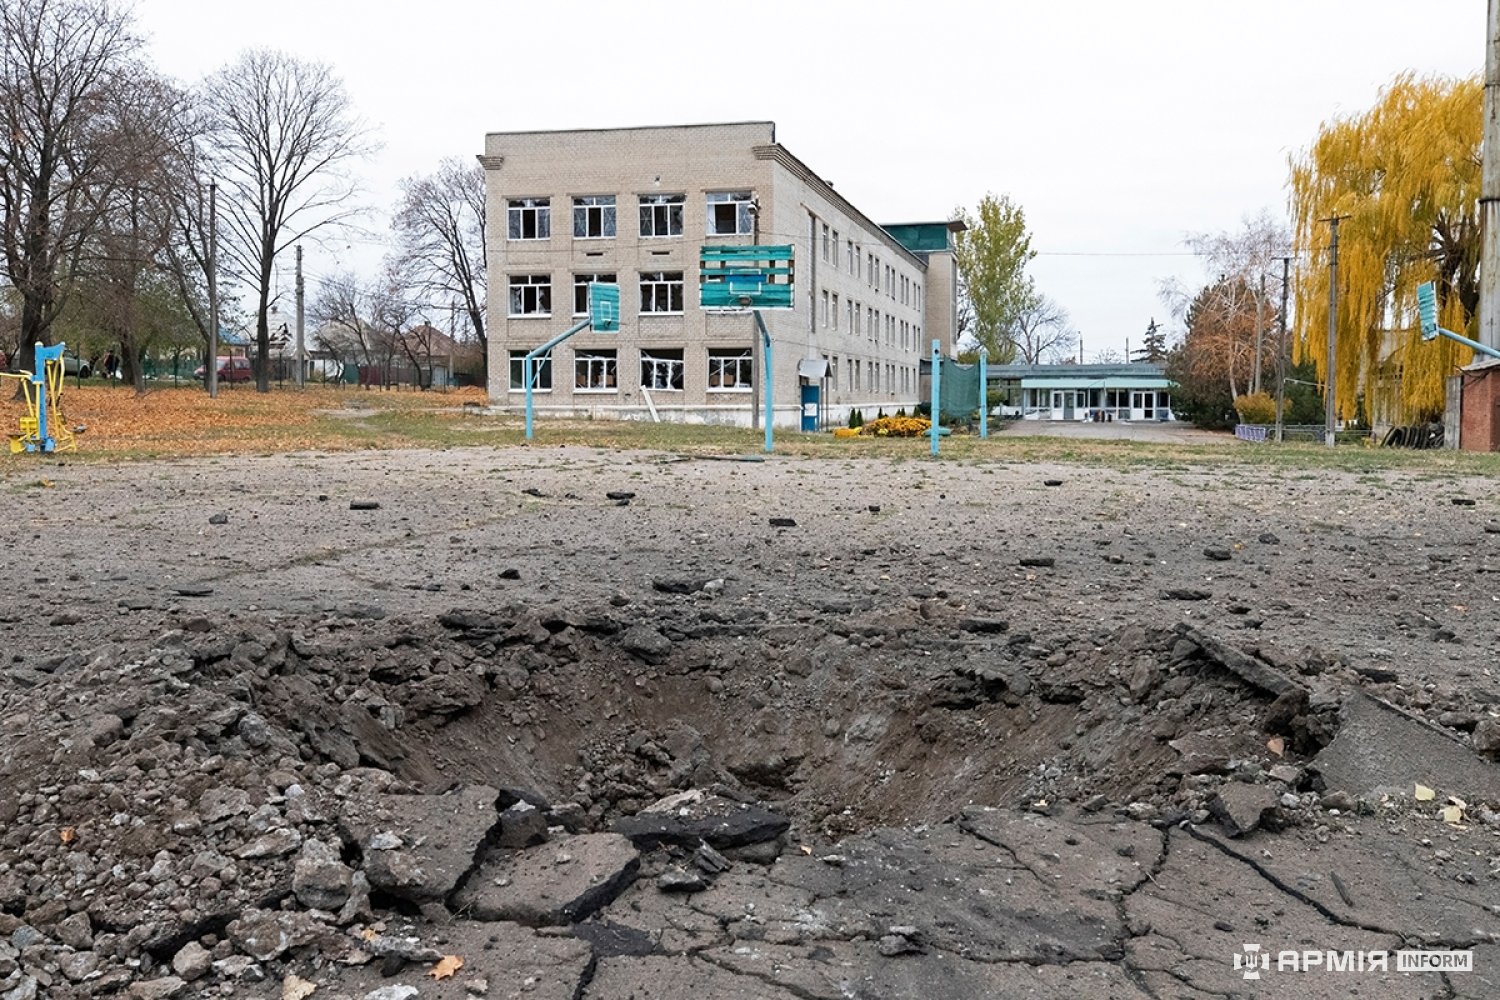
column 984, row 393
column 526, row 380
column 937, row 376
column 39, row 379
column 765, row 374
column 1472, row 344
column 527, row 366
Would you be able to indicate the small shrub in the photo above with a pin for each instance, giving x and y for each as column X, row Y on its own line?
column 1257, row 408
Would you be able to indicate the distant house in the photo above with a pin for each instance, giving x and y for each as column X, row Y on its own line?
column 1132, row 391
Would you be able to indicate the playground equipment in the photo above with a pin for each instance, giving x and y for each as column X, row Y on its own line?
column 604, row 317
column 43, row 429
column 749, row 279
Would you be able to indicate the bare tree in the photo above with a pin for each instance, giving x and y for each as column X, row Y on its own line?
column 279, row 132
column 440, row 227
column 351, row 321
column 1243, row 303
column 123, row 272
column 63, row 64
column 1041, row 332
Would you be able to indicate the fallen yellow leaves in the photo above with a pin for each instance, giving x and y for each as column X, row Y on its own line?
column 185, row 421
column 67, row 835
column 446, row 966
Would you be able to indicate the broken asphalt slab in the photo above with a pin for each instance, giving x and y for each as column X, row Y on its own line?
column 419, row 847
column 556, row 884
column 1381, row 748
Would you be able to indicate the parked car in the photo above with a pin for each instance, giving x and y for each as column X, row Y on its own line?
column 230, row 370
column 1008, row 412
column 74, row 365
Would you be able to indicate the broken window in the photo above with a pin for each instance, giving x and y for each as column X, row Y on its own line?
column 581, row 284
column 530, row 295
column 661, row 292
column 594, row 371
column 729, row 213
column 729, row 368
column 541, row 372
column 661, row 369
column 529, row 218
column 661, row 214
column 594, row 217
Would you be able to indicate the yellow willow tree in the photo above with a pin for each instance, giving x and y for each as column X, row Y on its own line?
column 1406, row 176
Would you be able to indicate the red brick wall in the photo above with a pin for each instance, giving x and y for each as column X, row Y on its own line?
column 1480, row 420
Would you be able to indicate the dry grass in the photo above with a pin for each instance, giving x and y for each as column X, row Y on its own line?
column 184, row 421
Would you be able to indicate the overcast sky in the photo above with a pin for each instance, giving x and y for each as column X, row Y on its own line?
column 1119, row 127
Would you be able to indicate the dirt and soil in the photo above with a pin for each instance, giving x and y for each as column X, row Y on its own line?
column 609, row 725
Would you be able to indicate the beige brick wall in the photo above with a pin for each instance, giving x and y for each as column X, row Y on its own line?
column 692, row 161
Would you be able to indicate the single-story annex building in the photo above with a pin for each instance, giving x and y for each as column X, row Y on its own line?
column 1130, row 391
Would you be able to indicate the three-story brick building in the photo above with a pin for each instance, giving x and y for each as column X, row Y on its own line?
column 634, row 207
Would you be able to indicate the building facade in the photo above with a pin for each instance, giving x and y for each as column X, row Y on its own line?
column 1130, row 391
column 635, row 207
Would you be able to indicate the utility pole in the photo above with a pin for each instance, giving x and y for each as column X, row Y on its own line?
column 1260, row 326
column 1281, row 349
column 1489, row 189
column 301, row 343
column 1330, row 409
column 211, row 370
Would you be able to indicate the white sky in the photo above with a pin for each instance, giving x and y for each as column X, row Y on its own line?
column 1119, row 127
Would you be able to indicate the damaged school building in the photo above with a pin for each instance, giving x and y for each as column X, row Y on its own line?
column 635, row 207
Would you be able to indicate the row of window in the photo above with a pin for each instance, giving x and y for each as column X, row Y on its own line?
column 862, row 375
column 729, row 370
column 664, row 293
column 869, row 268
column 661, row 292
column 859, row 321
column 595, row 217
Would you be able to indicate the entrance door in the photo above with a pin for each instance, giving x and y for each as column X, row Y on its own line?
column 1143, row 405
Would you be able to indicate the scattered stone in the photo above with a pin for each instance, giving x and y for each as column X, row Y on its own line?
column 522, row 825
column 1377, row 674
column 902, row 940
column 619, row 495
column 1337, row 800
column 393, row 993
column 158, row 989
column 320, row 880
column 276, row 843
column 1052, row 482
column 220, row 518
column 680, row 585
column 193, row 590
column 1186, row 594
column 510, row 573
column 984, row 626
column 364, row 504
column 783, row 522
column 1487, row 737
column 1463, row 501
column 681, row 880
column 647, row 643
column 1267, row 538
column 192, row 961
column 1218, row 554
column 1037, row 561
column 1240, row 807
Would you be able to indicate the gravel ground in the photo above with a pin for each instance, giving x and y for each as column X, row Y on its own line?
column 645, row 725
